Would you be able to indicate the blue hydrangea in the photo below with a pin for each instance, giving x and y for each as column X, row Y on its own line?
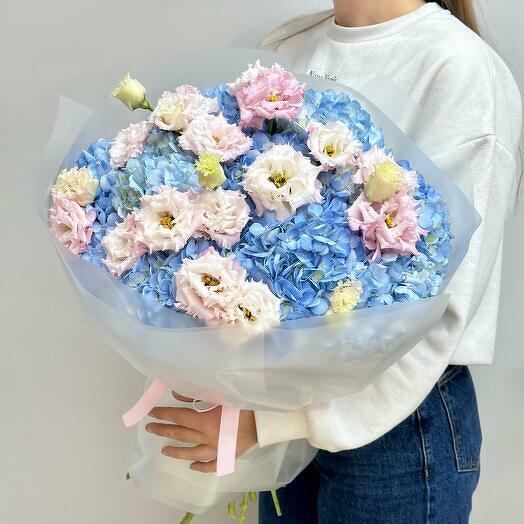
column 227, row 103
column 434, row 218
column 161, row 163
column 340, row 185
column 94, row 254
column 328, row 106
column 376, row 286
column 295, row 138
column 96, row 159
column 303, row 258
column 152, row 274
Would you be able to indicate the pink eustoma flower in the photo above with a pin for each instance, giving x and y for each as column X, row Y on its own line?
column 213, row 134
column 267, row 93
column 389, row 228
column 70, row 224
column 122, row 247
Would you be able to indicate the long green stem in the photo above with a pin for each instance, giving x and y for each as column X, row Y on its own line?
column 276, row 502
column 188, row 517
column 243, row 508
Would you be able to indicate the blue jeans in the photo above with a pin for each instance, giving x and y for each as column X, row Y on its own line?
column 423, row 471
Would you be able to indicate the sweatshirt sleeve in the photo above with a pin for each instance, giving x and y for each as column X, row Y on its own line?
column 357, row 419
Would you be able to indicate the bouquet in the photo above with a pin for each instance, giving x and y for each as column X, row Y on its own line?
column 256, row 245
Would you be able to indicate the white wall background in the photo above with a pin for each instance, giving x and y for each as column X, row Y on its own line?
column 63, row 451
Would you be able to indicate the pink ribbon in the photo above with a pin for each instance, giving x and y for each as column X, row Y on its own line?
column 153, row 395
column 227, row 440
column 227, row 436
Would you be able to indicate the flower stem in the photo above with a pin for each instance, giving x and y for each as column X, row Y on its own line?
column 271, row 126
column 276, row 502
column 146, row 105
column 243, row 508
column 249, row 496
column 188, row 517
column 231, row 509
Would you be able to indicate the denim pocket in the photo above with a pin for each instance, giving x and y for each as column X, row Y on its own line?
column 457, row 391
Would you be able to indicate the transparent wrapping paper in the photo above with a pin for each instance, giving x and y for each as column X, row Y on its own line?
column 299, row 363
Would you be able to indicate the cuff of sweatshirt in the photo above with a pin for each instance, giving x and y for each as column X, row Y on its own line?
column 274, row 427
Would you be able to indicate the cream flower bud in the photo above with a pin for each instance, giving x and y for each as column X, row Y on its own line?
column 384, row 182
column 132, row 93
column 210, row 171
column 77, row 184
column 346, row 296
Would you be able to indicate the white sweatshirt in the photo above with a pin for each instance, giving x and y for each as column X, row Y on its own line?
column 474, row 101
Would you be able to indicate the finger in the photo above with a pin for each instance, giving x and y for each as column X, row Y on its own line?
column 204, row 467
column 197, row 453
column 183, row 416
column 181, row 397
column 179, row 433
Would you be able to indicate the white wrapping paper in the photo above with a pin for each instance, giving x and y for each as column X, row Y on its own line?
column 296, row 364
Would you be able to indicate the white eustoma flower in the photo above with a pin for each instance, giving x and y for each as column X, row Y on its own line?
column 176, row 109
column 333, row 144
column 281, row 180
column 254, row 308
column 208, row 285
column 214, row 134
column 77, row 184
column 225, row 213
column 167, row 219
column 129, row 143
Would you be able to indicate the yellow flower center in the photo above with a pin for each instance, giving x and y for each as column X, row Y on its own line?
column 330, row 150
column 389, row 221
column 216, row 139
column 278, row 178
column 210, row 281
column 247, row 314
column 273, row 97
column 167, row 221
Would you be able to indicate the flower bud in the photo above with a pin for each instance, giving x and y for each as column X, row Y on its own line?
column 132, row 93
column 384, row 182
column 210, row 171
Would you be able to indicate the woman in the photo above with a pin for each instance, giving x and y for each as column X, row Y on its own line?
column 406, row 449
